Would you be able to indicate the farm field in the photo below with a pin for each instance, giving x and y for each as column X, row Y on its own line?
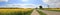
column 15, row 11
column 52, row 9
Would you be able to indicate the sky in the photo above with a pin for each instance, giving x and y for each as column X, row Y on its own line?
column 22, row 3
column 52, row 3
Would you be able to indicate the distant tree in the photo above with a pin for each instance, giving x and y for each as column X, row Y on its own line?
column 36, row 8
column 40, row 7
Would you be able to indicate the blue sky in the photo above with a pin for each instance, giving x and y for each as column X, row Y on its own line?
column 36, row 2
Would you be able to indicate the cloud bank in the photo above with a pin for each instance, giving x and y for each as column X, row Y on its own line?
column 52, row 3
column 3, row 0
column 21, row 5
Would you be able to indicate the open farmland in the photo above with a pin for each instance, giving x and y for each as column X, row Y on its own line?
column 51, row 8
column 15, row 11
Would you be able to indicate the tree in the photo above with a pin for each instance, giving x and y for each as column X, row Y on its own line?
column 40, row 7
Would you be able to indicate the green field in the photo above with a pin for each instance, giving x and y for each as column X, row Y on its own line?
column 52, row 9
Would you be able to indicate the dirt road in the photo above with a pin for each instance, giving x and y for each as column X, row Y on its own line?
column 35, row 13
column 51, row 12
column 45, row 11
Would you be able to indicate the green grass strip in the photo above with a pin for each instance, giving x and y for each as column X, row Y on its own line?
column 54, row 10
column 41, row 13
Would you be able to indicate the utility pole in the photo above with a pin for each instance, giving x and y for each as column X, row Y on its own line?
column 48, row 6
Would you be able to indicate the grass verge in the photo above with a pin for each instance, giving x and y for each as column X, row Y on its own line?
column 41, row 13
column 54, row 10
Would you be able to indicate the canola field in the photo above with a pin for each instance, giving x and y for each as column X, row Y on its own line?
column 16, row 11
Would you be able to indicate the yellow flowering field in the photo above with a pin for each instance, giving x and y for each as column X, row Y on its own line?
column 15, row 10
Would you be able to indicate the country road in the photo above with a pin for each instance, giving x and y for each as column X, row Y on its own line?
column 45, row 11
column 51, row 12
column 35, row 13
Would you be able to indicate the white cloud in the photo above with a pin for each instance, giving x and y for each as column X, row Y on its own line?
column 3, row 0
column 45, row 0
column 21, row 5
column 53, row 3
column 24, row 0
